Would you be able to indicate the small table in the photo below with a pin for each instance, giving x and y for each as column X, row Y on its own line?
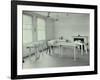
column 67, row 44
column 61, row 43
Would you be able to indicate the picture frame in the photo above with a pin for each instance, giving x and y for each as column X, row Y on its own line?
column 16, row 30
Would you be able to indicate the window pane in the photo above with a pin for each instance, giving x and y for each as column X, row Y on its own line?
column 27, row 20
column 27, row 28
column 41, row 29
column 27, row 36
column 40, row 24
column 41, row 35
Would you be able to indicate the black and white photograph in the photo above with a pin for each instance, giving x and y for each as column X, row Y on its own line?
column 53, row 39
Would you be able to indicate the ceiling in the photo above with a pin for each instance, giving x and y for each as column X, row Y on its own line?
column 59, row 15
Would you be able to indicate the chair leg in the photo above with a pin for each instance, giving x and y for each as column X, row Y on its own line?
column 48, row 50
column 81, row 49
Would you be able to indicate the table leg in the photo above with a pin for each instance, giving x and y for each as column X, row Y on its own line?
column 81, row 49
column 52, row 49
column 85, row 49
column 74, row 53
column 60, row 50
column 49, row 49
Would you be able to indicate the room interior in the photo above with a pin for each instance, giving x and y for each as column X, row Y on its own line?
column 55, row 39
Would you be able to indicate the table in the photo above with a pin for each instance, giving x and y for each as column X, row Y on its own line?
column 61, row 43
column 74, row 45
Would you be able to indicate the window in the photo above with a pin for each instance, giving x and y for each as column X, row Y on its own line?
column 27, row 29
column 41, row 35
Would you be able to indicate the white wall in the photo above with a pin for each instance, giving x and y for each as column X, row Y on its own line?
column 72, row 25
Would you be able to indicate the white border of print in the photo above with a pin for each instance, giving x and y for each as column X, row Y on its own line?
column 21, row 71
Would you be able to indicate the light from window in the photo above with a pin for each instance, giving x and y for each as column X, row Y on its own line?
column 27, row 29
column 41, row 35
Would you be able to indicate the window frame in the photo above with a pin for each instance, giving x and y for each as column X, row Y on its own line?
column 26, row 28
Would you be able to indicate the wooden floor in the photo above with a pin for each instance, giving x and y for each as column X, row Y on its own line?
column 57, row 60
